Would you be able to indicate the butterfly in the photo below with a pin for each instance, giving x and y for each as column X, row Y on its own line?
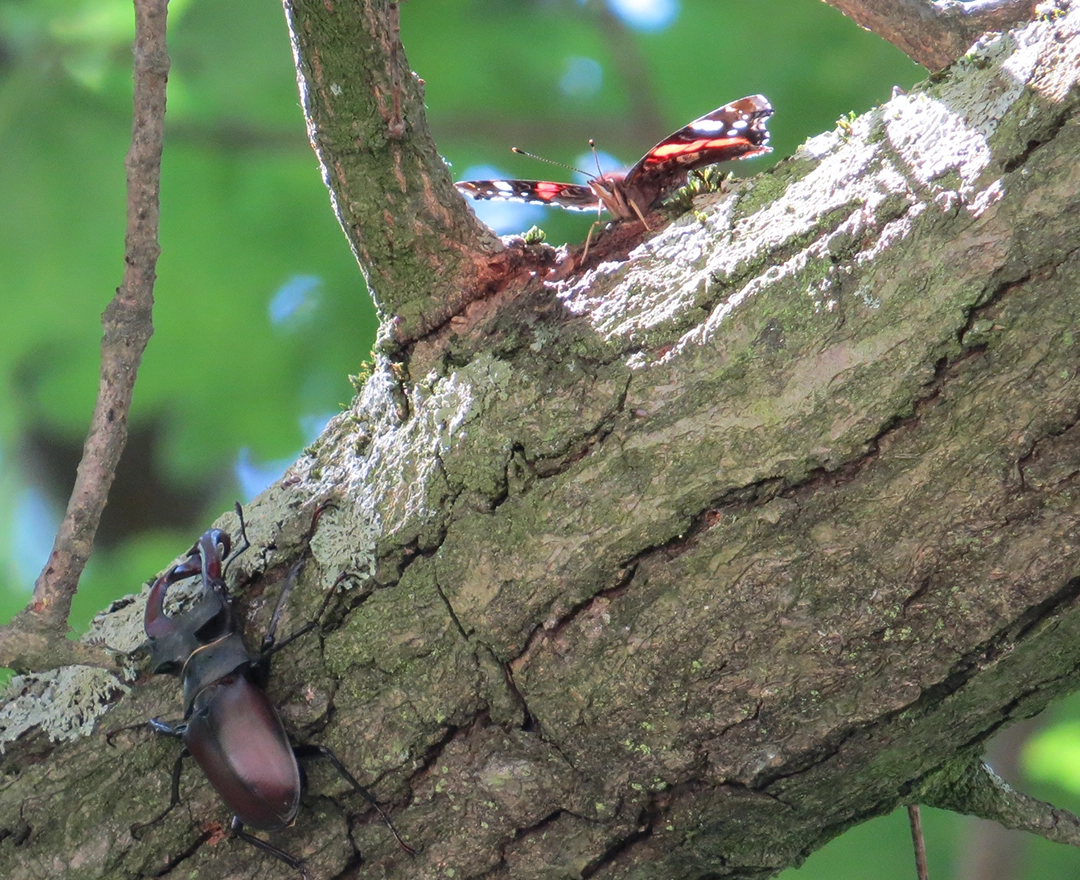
column 734, row 131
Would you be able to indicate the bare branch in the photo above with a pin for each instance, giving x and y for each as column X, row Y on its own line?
column 918, row 841
column 934, row 33
column 35, row 638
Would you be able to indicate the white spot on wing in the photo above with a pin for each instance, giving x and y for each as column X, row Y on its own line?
column 710, row 126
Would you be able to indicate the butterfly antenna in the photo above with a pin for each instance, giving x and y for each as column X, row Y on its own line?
column 596, row 158
column 522, row 152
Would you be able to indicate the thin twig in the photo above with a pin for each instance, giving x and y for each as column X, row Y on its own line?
column 915, row 820
column 934, row 33
column 35, row 639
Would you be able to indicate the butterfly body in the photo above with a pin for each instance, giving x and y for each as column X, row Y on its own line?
column 734, row 131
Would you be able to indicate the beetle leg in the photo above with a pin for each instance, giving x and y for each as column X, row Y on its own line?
column 243, row 544
column 173, row 800
column 307, row 751
column 269, row 648
column 292, row 861
column 271, row 631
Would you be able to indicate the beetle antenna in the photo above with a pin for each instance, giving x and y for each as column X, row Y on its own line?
column 522, row 152
column 596, row 158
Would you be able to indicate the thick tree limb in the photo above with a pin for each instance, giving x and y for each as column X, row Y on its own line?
column 35, row 639
column 685, row 566
column 934, row 33
column 423, row 253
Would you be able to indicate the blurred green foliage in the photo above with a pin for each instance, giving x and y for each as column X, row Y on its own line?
column 1054, row 755
column 261, row 312
column 245, row 220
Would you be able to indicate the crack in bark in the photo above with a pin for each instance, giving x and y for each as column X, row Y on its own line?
column 1047, row 609
column 450, row 611
column 435, row 750
column 965, row 669
column 921, row 590
column 528, row 723
column 621, row 845
column 1023, row 462
column 174, row 862
column 581, row 446
column 354, row 861
column 542, row 631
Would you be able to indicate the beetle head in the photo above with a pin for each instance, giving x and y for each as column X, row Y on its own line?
column 173, row 638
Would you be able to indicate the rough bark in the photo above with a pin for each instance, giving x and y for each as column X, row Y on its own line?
column 684, row 566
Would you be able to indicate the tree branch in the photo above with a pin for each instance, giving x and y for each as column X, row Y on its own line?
column 934, row 33
column 972, row 788
column 423, row 253
column 35, row 639
column 918, row 842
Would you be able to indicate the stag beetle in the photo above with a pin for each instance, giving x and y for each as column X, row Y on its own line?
column 230, row 727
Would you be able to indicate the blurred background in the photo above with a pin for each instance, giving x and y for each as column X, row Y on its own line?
column 261, row 314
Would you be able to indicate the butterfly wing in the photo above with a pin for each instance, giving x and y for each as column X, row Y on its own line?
column 572, row 196
column 734, row 131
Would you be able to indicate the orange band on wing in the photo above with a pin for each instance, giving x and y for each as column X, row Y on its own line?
column 546, row 190
column 666, row 151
